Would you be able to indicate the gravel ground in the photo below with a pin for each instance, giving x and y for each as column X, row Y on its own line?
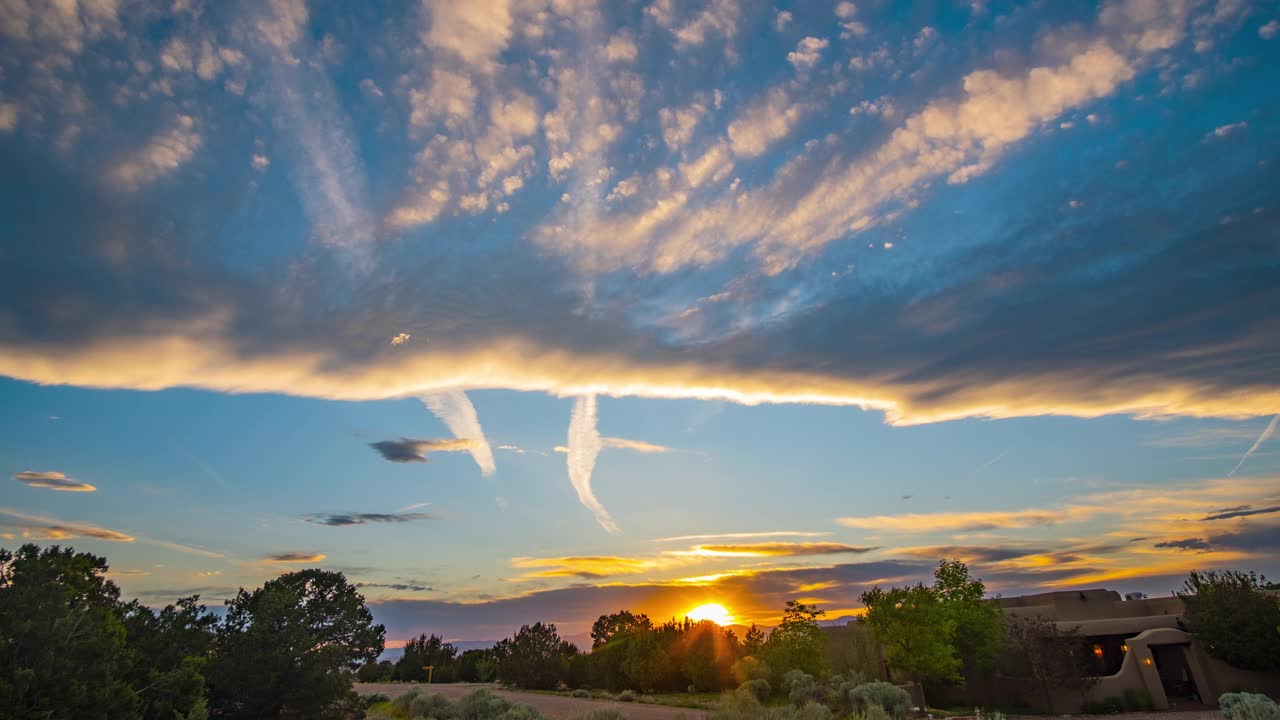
column 553, row 706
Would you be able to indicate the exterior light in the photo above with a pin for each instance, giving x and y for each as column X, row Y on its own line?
column 1146, row 661
column 1097, row 650
column 1124, row 647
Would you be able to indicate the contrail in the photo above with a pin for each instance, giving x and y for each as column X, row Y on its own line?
column 1266, row 435
column 456, row 411
column 584, row 446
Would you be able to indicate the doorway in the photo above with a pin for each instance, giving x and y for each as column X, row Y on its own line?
column 1175, row 675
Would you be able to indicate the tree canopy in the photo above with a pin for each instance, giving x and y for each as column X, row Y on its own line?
column 1235, row 617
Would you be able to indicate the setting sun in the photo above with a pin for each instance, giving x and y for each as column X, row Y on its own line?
column 714, row 612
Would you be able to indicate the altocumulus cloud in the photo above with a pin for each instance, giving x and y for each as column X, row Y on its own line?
column 407, row 450
column 52, row 481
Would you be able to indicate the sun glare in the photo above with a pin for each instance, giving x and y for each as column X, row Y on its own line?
column 714, row 612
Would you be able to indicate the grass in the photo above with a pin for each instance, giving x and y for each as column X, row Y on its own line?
column 694, row 701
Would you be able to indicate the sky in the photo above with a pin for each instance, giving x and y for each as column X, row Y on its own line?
column 519, row 310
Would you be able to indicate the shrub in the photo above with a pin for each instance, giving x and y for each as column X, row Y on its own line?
column 1106, row 706
column 580, row 693
column 603, row 714
column 384, row 711
column 519, row 711
column 479, row 705
column 1138, row 700
column 375, row 698
column 801, row 688
column 812, row 711
column 997, row 715
column 875, row 712
column 890, row 698
column 759, row 688
column 626, row 696
column 1248, row 706
column 750, row 668
column 199, row 711
column 430, row 705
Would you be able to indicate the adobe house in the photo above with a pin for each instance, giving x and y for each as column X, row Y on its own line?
column 1136, row 642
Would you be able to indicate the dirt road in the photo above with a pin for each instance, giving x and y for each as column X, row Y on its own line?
column 560, row 707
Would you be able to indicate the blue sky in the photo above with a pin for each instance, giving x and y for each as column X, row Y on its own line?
column 536, row 309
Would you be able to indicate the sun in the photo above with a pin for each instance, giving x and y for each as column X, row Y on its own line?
column 715, row 612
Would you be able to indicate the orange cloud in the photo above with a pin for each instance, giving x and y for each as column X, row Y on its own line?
column 774, row 549
column 294, row 558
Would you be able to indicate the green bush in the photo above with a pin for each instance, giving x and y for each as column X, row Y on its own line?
column 384, row 711
column 874, row 712
column 1106, row 706
column 431, row 705
column 802, row 688
column 626, row 696
column 890, row 698
column 1138, row 700
column 580, row 693
column 759, row 688
column 1248, row 706
column 997, row 715
column 199, row 711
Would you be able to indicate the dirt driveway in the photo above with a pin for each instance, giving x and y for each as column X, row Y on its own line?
column 553, row 706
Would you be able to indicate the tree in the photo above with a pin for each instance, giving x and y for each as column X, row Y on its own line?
column 753, row 641
column 63, row 651
column 288, row 649
column 916, row 630
column 423, row 651
column 615, row 637
column 169, row 650
column 1235, row 618
column 477, row 666
column 535, row 657
column 1053, row 657
column 798, row 642
column 979, row 637
column 606, row 627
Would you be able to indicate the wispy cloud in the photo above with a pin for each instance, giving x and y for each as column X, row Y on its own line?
column 1267, row 432
column 407, row 450
column 294, row 558
column 584, row 447
column 964, row 521
column 52, row 481
column 1185, row 544
column 588, row 566
column 1241, row 511
column 348, row 519
column 37, row 527
column 636, row 445
column 774, row 549
column 744, row 535
column 454, row 408
column 162, row 155
column 402, row 587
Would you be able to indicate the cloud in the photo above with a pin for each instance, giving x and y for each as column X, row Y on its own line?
column 163, row 154
column 764, row 122
column 964, row 521
column 1187, row 544
column 407, row 450
column 621, row 48
column 679, row 123
column 636, row 445
column 1270, row 30
column 1241, row 511
column 347, row 519
column 294, row 558
column 36, row 527
column 1267, row 432
column 777, row 549
column 740, row 535
column 969, row 553
column 403, row 587
column 1224, row 130
column 591, row 566
column 52, row 481
column 807, row 53
column 454, row 408
column 584, row 446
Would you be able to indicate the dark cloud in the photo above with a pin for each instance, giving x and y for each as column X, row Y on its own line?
column 971, row 553
column 407, row 450
column 1185, row 544
column 1251, row 538
column 403, row 587
column 1241, row 511
column 347, row 519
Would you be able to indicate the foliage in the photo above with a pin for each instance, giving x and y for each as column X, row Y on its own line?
column 1234, row 617
column 199, row 711
column 64, row 638
column 1138, row 700
column 288, row 648
column 602, row 714
column 580, row 693
column 753, row 641
column 422, row 651
column 742, row 705
column 479, row 705
column 477, row 666
column 798, row 642
column 916, row 630
column 979, row 626
column 890, row 698
column 1248, row 706
column 376, row 672
column 801, row 688
column 1110, row 705
column 170, row 649
column 758, row 687
column 1054, row 658
column 626, row 696
column 535, row 657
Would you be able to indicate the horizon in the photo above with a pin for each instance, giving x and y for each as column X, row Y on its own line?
column 536, row 310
